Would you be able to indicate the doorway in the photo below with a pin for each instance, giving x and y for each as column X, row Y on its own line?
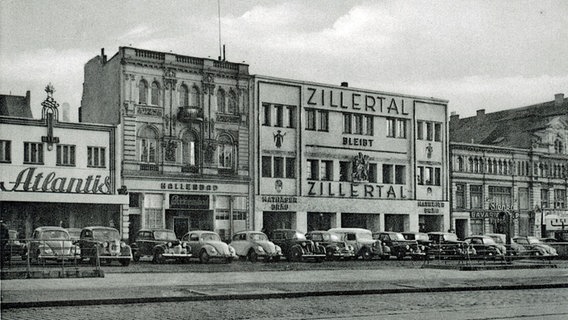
column 181, row 226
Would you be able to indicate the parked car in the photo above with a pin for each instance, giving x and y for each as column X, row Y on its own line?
column 207, row 245
column 74, row 233
column 13, row 247
column 335, row 248
column 399, row 246
column 535, row 247
column 253, row 245
column 362, row 242
column 446, row 244
column 513, row 249
column 295, row 246
column 52, row 243
column 161, row 245
column 420, row 237
column 104, row 243
column 548, row 240
column 485, row 246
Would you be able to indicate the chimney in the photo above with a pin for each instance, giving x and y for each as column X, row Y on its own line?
column 345, row 84
column 558, row 99
column 28, row 98
column 480, row 113
column 454, row 120
column 103, row 56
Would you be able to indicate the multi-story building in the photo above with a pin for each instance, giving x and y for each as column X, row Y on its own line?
column 335, row 156
column 56, row 173
column 509, row 170
column 185, row 137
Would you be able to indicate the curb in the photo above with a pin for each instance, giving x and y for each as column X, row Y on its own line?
column 258, row 296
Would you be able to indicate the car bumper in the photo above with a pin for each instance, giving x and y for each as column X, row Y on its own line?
column 59, row 258
column 111, row 257
column 176, row 255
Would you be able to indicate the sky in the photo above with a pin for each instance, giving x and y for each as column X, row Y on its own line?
column 490, row 55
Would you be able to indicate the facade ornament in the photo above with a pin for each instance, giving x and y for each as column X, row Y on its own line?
column 278, row 185
column 50, row 113
column 361, row 167
column 170, row 150
column 208, row 84
column 279, row 138
column 429, row 150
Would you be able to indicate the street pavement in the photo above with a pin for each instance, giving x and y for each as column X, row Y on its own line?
column 116, row 288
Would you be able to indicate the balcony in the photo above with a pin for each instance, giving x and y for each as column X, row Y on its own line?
column 189, row 114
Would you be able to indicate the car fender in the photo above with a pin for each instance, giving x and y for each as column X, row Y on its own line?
column 297, row 246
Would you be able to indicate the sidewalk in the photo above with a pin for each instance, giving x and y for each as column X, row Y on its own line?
column 117, row 288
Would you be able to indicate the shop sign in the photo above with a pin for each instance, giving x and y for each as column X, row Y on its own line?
column 431, row 206
column 500, row 207
column 355, row 190
column 30, row 180
column 188, row 186
column 279, row 203
column 188, row 201
column 493, row 216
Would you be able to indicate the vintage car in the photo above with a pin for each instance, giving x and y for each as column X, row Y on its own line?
column 253, row 245
column 335, row 248
column 105, row 244
column 362, row 242
column 295, row 246
column 513, row 249
column 399, row 246
column 13, row 247
column 485, row 246
column 207, row 245
column 52, row 243
column 161, row 245
column 536, row 247
column 446, row 244
column 420, row 237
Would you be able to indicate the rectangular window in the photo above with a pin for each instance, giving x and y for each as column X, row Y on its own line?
column 501, row 196
column 134, row 200
column 372, row 172
column 523, row 198
column 429, row 176
column 310, row 119
column 279, row 116
column 429, row 133
column 313, row 169
column 324, row 120
column 96, row 157
column 358, row 124
column 5, row 151
column 370, row 125
column 347, row 123
column 344, row 170
column 476, row 196
column 400, row 175
column 266, row 167
column 387, row 173
column 291, row 116
column 33, row 153
column 278, row 167
column 560, row 198
column 420, row 130
column 326, row 172
column 401, row 128
column 391, row 127
column 437, row 177
column 290, row 168
column 420, row 175
column 544, row 198
column 460, row 196
column 267, row 114
column 437, row 132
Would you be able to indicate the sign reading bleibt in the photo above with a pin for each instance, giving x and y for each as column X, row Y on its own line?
column 189, row 201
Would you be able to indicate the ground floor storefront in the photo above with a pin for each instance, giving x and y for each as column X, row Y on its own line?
column 477, row 222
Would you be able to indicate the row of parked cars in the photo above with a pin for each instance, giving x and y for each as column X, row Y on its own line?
column 99, row 244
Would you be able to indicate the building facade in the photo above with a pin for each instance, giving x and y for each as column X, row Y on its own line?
column 58, row 174
column 185, row 137
column 334, row 156
column 509, row 170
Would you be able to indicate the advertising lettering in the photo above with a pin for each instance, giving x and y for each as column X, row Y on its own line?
column 188, row 186
column 355, row 190
column 279, row 203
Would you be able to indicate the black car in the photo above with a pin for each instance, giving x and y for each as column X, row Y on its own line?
column 295, row 246
column 399, row 246
column 420, row 237
column 160, row 244
column 485, row 246
column 13, row 247
column 446, row 244
column 105, row 244
column 335, row 248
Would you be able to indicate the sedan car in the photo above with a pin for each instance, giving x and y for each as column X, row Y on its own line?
column 446, row 244
column 535, row 247
column 362, row 241
column 485, row 246
column 161, row 245
column 420, row 237
column 253, row 245
column 399, row 246
column 207, row 245
column 295, row 246
column 513, row 249
column 335, row 248
column 52, row 243
column 105, row 244
column 13, row 247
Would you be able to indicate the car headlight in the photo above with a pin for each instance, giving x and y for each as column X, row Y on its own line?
column 232, row 250
column 105, row 245
column 552, row 250
column 183, row 244
column 350, row 248
column 407, row 247
column 122, row 244
column 169, row 244
column 278, row 249
column 422, row 248
column 77, row 250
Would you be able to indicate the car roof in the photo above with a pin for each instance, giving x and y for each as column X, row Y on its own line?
column 349, row 230
column 249, row 231
column 386, row 232
column 98, row 227
column 48, row 228
column 201, row 231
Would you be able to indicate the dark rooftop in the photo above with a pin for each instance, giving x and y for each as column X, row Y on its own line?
column 15, row 106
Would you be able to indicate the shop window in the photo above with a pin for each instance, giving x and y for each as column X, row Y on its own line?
column 65, row 155
column 437, row 132
column 310, row 119
column 147, row 145
column 476, row 226
column 476, row 196
column 391, row 127
column 239, row 215
column 226, row 152
column 373, row 172
column 290, row 168
column 233, row 105
column 278, row 167
column 400, row 175
column 155, row 93
column 313, row 169
column 388, row 173
column 279, row 116
column 370, row 125
column 323, row 120
column 345, row 171
column 143, row 92
column 153, row 211
column 222, row 214
column 358, row 129
column 221, row 101
column 460, row 196
column 266, row 110
column 326, row 170
column 5, row 151
column 189, row 148
column 291, row 116
column 347, row 123
column 33, row 153
column 266, row 166
column 501, row 196
column 420, row 130
column 544, row 198
column 559, row 198
column 183, row 96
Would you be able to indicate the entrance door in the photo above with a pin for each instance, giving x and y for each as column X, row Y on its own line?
column 134, row 226
column 461, row 228
column 181, row 226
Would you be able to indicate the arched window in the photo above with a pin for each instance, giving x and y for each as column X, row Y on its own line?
column 558, row 146
column 148, row 145
column 194, row 97
column 226, row 152
column 143, row 92
column 183, row 96
column 460, row 164
column 155, row 93
column 189, row 148
column 232, row 103
column 221, row 101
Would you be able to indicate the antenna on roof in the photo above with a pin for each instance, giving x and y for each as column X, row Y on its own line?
column 219, row 14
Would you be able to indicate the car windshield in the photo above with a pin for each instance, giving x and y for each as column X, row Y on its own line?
column 497, row 239
column 299, row 236
column 210, row 237
column 106, row 234
column 54, row 235
column 489, row 240
column 334, row 237
column 365, row 236
column 533, row 240
column 165, row 235
column 258, row 237
column 450, row 237
column 421, row 236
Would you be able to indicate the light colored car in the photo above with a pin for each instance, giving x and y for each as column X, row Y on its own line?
column 52, row 243
column 513, row 249
column 207, row 245
column 535, row 247
column 104, row 243
column 362, row 242
column 253, row 245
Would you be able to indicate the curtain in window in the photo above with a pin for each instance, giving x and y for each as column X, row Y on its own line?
column 148, row 140
column 143, row 92
column 155, row 93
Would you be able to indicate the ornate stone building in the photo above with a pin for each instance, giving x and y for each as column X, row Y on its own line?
column 509, row 170
column 184, row 136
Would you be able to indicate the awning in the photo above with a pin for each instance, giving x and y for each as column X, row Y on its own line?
column 64, row 197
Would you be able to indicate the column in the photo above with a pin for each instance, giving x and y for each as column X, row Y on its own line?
column 301, row 221
column 336, row 220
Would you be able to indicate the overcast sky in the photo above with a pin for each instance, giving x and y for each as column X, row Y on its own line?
column 476, row 54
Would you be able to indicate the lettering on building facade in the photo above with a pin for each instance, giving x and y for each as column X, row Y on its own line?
column 148, row 111
column 279, row 203
column 188, row 186
column 354, row 190
column 188, row 201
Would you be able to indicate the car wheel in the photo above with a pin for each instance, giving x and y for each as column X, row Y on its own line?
column 295, row 255
column 329, row 255
column 136, row 257
column 158, row 257
column 204, row 257
column 125, row 262
column 366, row 254
column 252, row 256
column 400, row 255
column 228, row 260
